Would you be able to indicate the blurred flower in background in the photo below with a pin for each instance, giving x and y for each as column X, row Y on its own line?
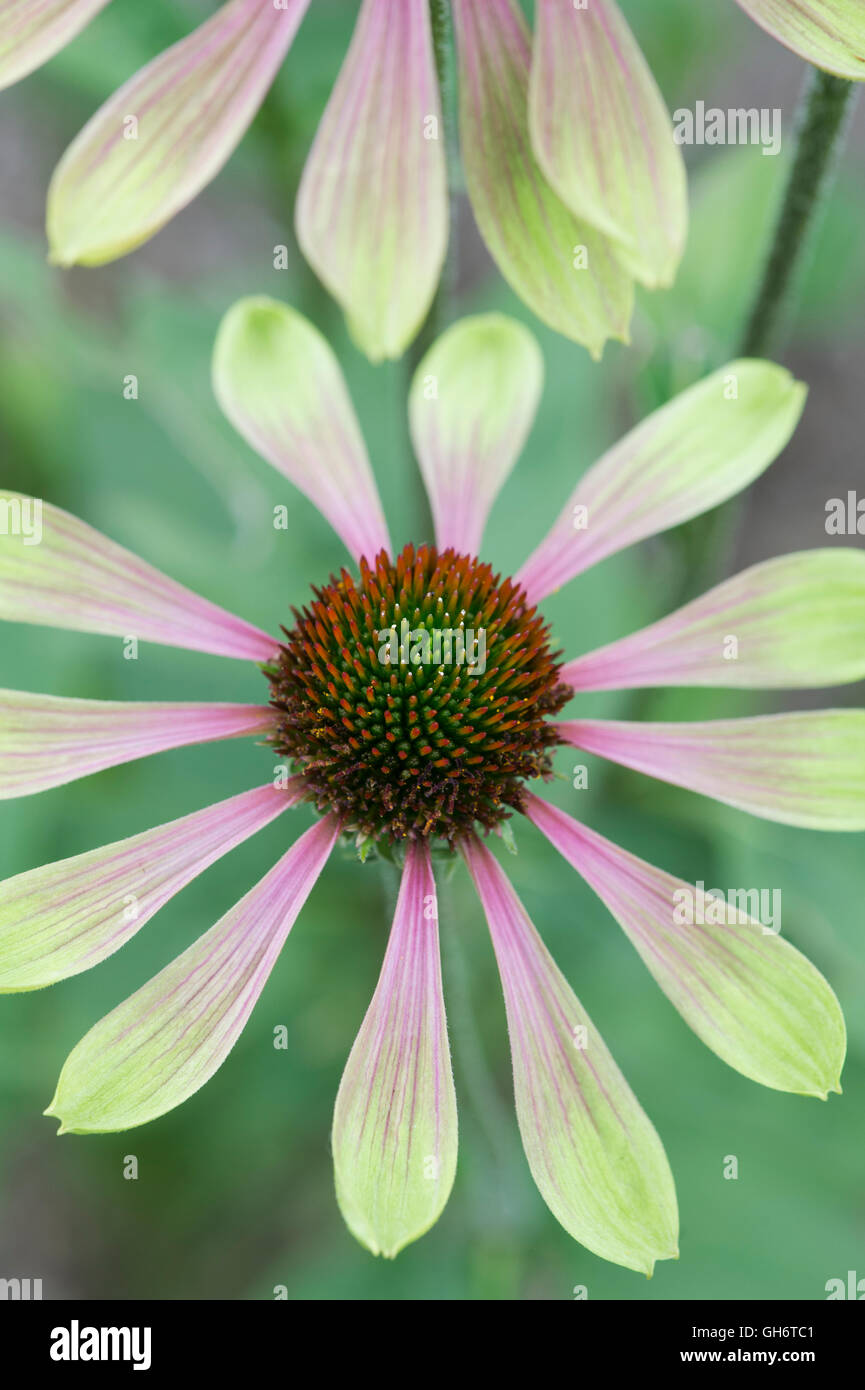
column 828, row 33
column 411, row 753
column 576, row 184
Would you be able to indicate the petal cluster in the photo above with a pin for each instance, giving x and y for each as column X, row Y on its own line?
column 576, row 184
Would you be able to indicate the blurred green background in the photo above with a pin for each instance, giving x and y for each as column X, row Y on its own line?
column 234, row 1194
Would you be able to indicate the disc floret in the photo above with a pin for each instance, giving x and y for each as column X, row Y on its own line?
column 415, row 701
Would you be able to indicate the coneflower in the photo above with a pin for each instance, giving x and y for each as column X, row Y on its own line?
column 407, row 734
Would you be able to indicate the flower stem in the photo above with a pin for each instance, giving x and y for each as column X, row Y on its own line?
column 441, row 312
column 827, row 105
column 441, row 22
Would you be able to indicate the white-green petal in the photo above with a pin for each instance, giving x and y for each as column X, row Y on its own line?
column 165, row 1041
column 372, row 208
column 593, row 1152
column 395, row 1123
column 603, row 136
column 472, row 402
column 752, row 997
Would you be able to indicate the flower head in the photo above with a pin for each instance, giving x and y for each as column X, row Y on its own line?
column 413, row 749
column 387, row 706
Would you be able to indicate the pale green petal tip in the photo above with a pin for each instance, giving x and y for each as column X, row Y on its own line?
column 781, row 378
column 52, row 1114
column 376, row 346
column 386, row 1243
column 66, row 250
column 254, row 334
column 479, row 338
column 254, row 313
column 645, row 1264
column 674, row 1255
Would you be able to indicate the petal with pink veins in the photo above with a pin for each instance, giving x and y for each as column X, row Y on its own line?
column 751, row 996
column 32, row 31
column 797, row 622
column 48, row 740
column 472, row 402
column 279, row 383
column 372, row 208
column 563, row 269
column 395, row 1123
column 604, row 138
column 828, row 33
column 56, row 571
column 165, row 1041
column 594, row 1154
column 67, row 917
column 701, row 448
column 159, row 140
column 803, row 769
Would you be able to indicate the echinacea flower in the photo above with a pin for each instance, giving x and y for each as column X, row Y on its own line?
column 577, row 185
column 413, row 702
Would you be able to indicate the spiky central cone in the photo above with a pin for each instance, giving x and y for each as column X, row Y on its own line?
column 415, row 701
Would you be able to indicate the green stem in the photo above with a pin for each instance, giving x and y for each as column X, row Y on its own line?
column 441, row 310
column 441, row 22
column 824, row 115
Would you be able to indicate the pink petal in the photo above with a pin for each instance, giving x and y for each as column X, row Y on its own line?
column 801, row 769
column 67, row 917
column 56, row 571
column 46, row 740
column 797, row 622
